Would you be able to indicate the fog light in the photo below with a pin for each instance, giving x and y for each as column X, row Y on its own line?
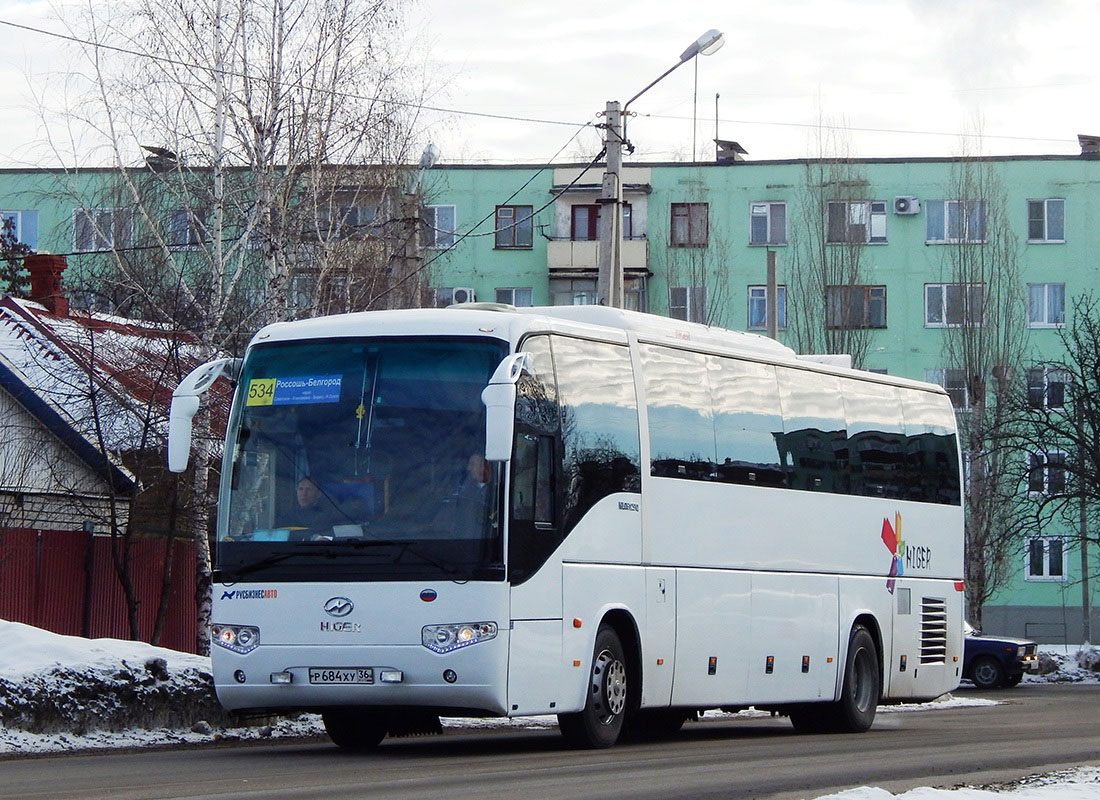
column 450, row 676
column 239, row 676
column 390, row 676
column 281, row 677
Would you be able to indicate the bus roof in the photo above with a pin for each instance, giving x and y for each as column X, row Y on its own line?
column 508, row 322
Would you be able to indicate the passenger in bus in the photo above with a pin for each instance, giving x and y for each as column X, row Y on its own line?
column 314, row 514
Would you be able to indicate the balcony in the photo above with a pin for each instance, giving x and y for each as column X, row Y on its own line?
column 569, row 255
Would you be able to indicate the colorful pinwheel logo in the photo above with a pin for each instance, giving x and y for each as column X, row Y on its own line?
column 891, row 537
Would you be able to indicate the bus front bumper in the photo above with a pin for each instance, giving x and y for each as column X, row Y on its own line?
column 275, row 678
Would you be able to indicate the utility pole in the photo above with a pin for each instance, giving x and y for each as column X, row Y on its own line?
column 609, row 283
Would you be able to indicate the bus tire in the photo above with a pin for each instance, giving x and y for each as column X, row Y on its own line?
column 599, row 724
column 862, row 688
column 354, row 730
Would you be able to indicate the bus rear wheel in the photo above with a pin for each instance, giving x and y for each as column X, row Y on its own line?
column 855, row 710
column 353, row 729
column 599, row 724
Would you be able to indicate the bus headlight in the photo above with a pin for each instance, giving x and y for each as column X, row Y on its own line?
column 238, row 638
column 445, row 638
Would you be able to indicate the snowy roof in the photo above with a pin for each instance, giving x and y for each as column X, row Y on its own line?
column 92, row 377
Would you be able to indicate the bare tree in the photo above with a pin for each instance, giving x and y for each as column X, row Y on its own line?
column 252, row 204
column 982, row 309
column 1060, row 431
column 827, row 306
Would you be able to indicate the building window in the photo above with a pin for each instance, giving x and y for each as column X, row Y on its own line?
column 955, row 221
column 1046, row 220
column 688, row 303
column 954, row 382
column 187, row 227
column 758, row 308
column 439, row 227
column 1046, row 305
column 948, row 305
column 1046, row 473
column 515, row 297
column 572, row 291
column 689, row 225
column 1046, row 388
column 856, row 222
column 24, row 226
column 102, row 228
column 1046, row 559
column 513, row 227
column 585, row 225
column 855, row 306
column 356, row 222
column 768, row 223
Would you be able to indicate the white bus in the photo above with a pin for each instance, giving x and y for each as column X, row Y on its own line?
column 613, row 517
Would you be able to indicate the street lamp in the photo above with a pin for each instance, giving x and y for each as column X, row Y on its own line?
column 610, row 279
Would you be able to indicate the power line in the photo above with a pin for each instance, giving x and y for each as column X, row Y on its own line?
column 231, row 74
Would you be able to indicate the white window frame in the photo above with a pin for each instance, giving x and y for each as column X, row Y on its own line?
column 947, row 207
column 1041, row 461
column 759, row 294
column 944, row 305
column 102, row 226
column 1046, row 575
column 1046, row 376
column 690, row 306
column 870, row 215
column 953, row 380
column 1045, row 321
column 438, row 236
column 1046, row 238
column 767, row 209
column 507, row 294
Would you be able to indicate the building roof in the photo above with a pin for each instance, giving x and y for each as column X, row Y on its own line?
column 102, row 384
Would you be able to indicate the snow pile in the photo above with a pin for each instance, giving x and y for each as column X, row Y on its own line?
column 1067, row 665
column 1082, row 783
column 53, row 684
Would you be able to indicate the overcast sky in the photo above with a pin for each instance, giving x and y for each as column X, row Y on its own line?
column 902, row 77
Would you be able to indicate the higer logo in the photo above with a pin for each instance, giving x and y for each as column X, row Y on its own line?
column 905, row 556
column 338, row 606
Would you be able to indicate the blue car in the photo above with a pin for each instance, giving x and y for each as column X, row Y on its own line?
column 995, row 662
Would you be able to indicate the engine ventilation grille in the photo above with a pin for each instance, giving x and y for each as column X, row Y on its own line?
column 933, row 630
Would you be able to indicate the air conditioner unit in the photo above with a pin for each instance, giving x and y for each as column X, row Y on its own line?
column 906, row 205
column 462, row 295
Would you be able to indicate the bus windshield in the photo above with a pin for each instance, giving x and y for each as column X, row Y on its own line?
column 362, row 459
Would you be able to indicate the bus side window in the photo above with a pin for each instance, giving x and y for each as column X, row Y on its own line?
column 814, row 441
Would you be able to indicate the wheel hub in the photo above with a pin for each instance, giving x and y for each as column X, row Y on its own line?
column 609, row 686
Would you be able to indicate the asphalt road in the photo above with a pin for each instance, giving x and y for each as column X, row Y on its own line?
column 1039, row 728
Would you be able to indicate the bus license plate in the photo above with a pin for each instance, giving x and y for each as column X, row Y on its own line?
column 341, row 675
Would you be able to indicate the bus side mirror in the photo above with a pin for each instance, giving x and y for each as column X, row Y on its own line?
column 185, row 404
column 499, row 398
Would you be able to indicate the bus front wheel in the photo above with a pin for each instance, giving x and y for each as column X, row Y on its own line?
column 599, row 724
column 353, row 729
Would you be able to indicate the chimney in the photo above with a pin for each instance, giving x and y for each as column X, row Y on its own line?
column 45, row 271
column 729, row 152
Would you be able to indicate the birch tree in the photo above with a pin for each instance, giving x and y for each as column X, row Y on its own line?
column 834, row 221
column 981, row 306
column 258, row 150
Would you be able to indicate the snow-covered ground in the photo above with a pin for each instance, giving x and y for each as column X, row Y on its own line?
column 65, row 693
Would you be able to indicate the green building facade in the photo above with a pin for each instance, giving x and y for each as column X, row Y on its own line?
column 882, row 241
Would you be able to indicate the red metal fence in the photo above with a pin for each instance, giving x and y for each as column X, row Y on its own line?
column 65, row 582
